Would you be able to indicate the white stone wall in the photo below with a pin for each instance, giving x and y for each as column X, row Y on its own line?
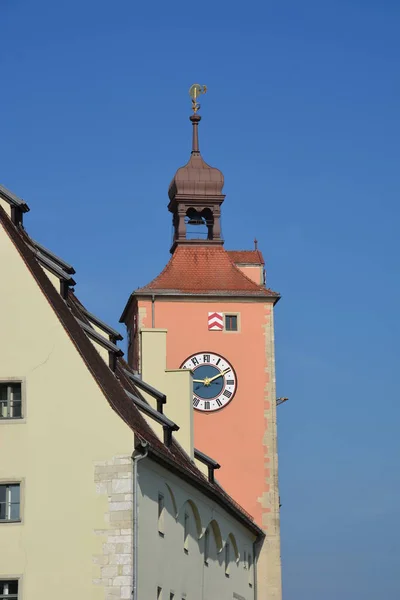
column 114, row 479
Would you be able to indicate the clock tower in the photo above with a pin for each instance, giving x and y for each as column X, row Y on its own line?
column 219, row 315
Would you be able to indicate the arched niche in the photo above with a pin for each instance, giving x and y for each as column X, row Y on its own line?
column 216, row 531
column 232, row 541
column 196, row 515
column 173, row 501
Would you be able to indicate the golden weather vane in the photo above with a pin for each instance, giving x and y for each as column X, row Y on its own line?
column 194, row 92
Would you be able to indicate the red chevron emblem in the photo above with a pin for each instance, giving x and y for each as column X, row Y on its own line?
column 215, row 321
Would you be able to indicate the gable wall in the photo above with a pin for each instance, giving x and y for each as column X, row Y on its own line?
column 67, row 452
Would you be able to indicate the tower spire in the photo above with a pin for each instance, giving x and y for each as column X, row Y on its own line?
column 194, row 92
column 195, row 138
column 195, row 192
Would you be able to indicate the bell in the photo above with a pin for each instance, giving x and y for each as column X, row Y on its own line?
column 195, row 221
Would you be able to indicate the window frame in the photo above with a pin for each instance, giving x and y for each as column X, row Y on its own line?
column 238, row 324
column 22, row 418
column 19, row 521
column 250, row 568
column 206, row 546
column 161, row 513
column 18, row 579
column 186, row 527
column 227, row 559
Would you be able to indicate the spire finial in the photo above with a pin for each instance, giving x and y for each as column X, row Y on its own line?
column 255, row 244
column 194, row 92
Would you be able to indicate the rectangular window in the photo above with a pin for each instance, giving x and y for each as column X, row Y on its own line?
column 159, row 593
column 186, row 534
column 250, row 564
column 231, row 323
column 10, row 502
column 161, row 510
column 9, row 589
column 206, row 546
column 172, row 596
column 10, row 400
column 227, row 558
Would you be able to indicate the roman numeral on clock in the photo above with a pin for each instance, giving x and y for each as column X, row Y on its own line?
column 206, row 405
column 227, row 393
column 206, row 358
column 230, row 382
column 219, row 402
column 195, row 361
column 196, row 402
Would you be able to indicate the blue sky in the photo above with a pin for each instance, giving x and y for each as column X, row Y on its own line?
column 302, row 116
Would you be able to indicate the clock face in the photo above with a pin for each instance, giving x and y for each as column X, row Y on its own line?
column 214, row 381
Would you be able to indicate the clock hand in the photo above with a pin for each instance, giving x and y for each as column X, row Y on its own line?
column 219, row 375
column 198, row 380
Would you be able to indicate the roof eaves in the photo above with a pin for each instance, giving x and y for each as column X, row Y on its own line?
column 146, row 387
column 126, row 308
column 61, row 263
column 266, row 293
column 13, row 199
column 116, row 334
column 212, row 491
column 207, row 460
column 152, row 412
column 53, row 267
column 100, row 339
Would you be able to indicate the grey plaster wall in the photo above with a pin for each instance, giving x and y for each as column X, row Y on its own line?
column 163, row 560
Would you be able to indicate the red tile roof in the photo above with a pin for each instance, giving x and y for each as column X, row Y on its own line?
column 248, row 257
column 204, row 270
column 113, row 385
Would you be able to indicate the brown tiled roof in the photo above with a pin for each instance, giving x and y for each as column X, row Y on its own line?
column 204, row 270
column 112, row 384
column 248, row 257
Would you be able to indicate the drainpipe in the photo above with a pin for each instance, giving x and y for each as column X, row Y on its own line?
column 257, row 546
column 153, row 311
column 141, row 453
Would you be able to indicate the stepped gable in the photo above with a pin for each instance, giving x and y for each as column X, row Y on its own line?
column 204, row 269
column 113, row 384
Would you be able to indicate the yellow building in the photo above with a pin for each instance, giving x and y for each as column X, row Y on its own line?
column 102, row 494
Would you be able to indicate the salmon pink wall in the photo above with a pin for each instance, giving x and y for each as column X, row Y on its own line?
column 255, row 273
column 234, row 435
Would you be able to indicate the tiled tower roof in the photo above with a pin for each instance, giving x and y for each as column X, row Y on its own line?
column 204, row 270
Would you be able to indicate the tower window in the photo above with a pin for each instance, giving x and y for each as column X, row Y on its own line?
column 186, row 534
column 250, row 565
column 206, row 546
column 10, row 400
column 227, row 558
column 159, row 593
column 231, row 322
column 9, row 502
column 161, row 511
column 9, row 589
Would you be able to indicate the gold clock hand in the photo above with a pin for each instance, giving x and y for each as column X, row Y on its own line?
column 219, row 375
column 198, row 380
